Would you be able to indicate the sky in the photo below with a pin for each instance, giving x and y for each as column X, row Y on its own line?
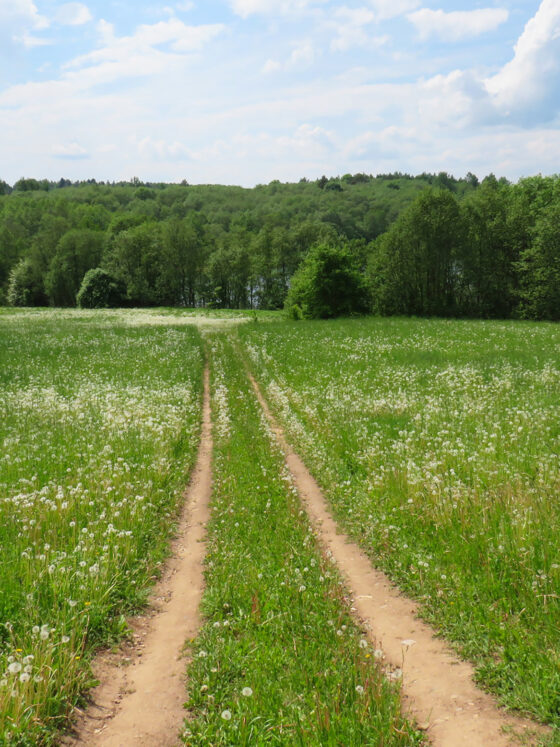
column 248, row 91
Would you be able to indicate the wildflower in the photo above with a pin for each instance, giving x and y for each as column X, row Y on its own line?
column 359, row 689
column 363, row 643
column 14, row 667
column 226, row 715
column 246, row 692
column 65, row 639
column 24, row 677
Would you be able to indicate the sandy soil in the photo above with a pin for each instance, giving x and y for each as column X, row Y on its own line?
column 438, row 688
column 139, row 701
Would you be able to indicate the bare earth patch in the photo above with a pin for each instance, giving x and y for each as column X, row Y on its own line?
column 438, row 688
column 139, row 700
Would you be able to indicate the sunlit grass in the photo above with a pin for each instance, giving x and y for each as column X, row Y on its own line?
column 99, row 424
column 280, row 659
column 438, row 445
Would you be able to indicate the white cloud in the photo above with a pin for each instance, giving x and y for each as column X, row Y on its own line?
column 17, row 19
column 185, row 6
column 527, row 87
column 73, row 14
column 271, row 66
column 22, row 10
column 29, row 41
column 245, row 8
column 523, row 92
column 70, row 151
column 349, row 24
column 139, row 54
column 460, row 24
column 385, row 9
column 303, row 55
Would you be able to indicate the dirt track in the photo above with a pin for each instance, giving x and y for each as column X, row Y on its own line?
column 139, row 701
column 438, row 688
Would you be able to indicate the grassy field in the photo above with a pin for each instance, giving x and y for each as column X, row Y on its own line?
column 99, row 424
column 437, row 443
column 280, row 659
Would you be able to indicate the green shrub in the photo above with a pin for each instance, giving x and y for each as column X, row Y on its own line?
column 100, row 290
column 327, row 284
column 24, row 287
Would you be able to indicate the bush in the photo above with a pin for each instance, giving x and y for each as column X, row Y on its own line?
column 24, row 288
column 327, row 284
column 100, row 290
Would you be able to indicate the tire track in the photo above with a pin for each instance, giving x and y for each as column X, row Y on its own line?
column 139, row 700
column 438, row 688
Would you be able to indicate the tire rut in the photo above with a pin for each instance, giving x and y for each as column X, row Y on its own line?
column 139, row 700
column 437, row 688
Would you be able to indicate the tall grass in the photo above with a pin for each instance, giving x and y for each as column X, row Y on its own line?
column 280, row 659
column 438, row 444
column 99, row 424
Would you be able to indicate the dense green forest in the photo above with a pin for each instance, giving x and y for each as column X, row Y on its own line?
column 425, row 245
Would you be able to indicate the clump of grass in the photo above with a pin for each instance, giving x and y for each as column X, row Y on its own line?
column 280, row 659
column 99, row 422
column 437, row 443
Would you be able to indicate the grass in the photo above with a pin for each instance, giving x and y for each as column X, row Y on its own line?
column 280, row 659
column 99, row 423
column 437, row 443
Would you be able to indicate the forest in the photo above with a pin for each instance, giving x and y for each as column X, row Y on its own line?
column 427, row 245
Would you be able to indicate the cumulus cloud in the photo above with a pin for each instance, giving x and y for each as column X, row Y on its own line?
column 73, row 14
column 150, row 50
column 18, row 18
column 527, row 87
column 385, row 9
column 458, row 24
column 350, row 24
column 22, row 10
column 523, row 92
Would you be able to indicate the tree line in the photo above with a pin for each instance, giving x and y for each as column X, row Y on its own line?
column 425, row 245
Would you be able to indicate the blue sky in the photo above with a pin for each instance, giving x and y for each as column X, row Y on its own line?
column 246, row 91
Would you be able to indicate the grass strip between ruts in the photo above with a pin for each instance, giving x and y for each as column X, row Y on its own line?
column 280, row 659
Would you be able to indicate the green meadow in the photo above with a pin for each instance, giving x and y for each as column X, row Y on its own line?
column 436, row 443
column 99, row 425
